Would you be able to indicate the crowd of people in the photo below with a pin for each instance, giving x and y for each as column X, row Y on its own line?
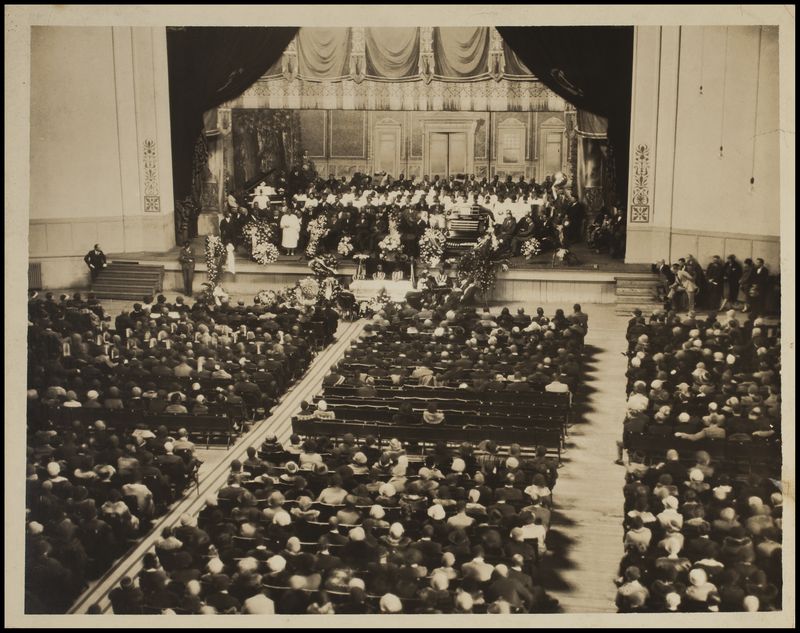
column 723, row 285
column 363, row 209
column 702, row 534
column 317, row 526
column 468, row 348
column 90, row 490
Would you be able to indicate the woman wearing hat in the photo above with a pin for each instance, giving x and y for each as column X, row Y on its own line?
column 433, row 416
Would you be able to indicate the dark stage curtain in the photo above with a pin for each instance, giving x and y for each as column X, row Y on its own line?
column 208, row 66
column 592, row 68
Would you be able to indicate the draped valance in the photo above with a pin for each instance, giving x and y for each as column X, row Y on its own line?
column 399, row 54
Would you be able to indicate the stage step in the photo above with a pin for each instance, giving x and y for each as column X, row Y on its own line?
column 128, row 280
column 640, row 292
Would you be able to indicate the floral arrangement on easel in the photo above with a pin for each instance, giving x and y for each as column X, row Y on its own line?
column 258, row 237
column 431, row 246
column 214, row 251
column 391, row 246
column 316, row 231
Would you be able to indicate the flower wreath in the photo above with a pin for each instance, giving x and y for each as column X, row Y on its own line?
column 306, row 291
column 265, row 253
column 324, row 266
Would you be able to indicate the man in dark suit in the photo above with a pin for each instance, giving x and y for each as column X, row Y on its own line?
column 714, row 277
column 510, row 590
column 525, row 230
column 431, row 550
column 227, row 230
column 761, row 286
column 324, row 561
column 96, row 261
column 731, row 274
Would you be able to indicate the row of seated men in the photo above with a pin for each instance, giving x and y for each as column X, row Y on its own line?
column 88, row 494
column 100, row 370
column 703, row 380
column 465, row 348
column 316, row 527
column 700, row 537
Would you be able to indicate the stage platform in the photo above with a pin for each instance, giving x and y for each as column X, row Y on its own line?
column 592, row 280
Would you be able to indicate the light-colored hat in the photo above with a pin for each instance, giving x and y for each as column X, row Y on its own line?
column 671, row 503
column 698, row 577
column 390, row 603
column 215, row 565
column 377, row 512
column 276, row 563
column 436, row 512
column 322, row 405
column 396, row 530
column 357, row 534
column 53, row 469
column 387, row 490
column 282, row 518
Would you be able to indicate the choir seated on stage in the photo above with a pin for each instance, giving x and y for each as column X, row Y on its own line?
column 361, row 209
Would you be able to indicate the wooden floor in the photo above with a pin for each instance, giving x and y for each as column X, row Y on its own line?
column 585, row 538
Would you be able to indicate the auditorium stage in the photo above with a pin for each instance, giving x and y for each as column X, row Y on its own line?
column 592, row 280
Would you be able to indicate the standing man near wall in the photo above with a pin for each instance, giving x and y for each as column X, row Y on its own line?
column 714, row 277
column 95, row 260
column 758, row 292
column 186, row 258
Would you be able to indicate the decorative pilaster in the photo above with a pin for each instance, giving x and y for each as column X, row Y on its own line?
column 152, row 202
column 640, row 202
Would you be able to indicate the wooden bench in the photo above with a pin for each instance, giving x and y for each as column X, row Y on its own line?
column 426, row 434
column 123, row 422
